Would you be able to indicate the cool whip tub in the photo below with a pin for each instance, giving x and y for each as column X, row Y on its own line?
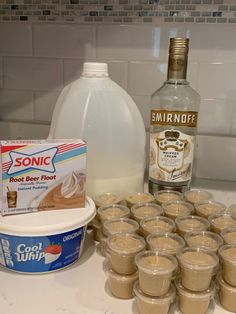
column 42, row 242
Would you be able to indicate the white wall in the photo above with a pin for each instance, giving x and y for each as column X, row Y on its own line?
column 37, row 60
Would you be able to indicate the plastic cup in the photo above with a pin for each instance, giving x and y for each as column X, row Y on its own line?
column 120, row 225
column 133, row 199
column 227, row 295
column 197, row 267
column 155, row 271
column 191, row 223
column 168, row 243
column 145, row 210
column 96, row 226
column 207, row 208
column 176, row 209
column 197, row 195
column 112, row 211
column 121, row 286
column 227, row 254
column 204, row 239
column 121, row 249
column 102, row 242
column 229, row 235
column 164, row 196
column 221, row 222
column 194, row 302
column 152, row 305
column 107, row 199
column 156, row 224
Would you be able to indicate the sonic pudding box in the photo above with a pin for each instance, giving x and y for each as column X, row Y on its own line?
column 42, row 175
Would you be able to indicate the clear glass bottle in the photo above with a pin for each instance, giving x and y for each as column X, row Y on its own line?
column 173, row 123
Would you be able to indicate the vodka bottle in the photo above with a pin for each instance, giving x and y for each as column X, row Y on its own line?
column 173, row 123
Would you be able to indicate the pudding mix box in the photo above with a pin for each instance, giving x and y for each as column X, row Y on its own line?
column 42, row 175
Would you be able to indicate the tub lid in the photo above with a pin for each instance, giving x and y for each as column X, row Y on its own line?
column 48, row 222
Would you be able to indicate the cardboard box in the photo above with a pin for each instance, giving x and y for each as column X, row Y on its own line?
column 42, row 175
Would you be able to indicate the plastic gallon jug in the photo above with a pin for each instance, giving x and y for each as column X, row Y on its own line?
column 96, row 109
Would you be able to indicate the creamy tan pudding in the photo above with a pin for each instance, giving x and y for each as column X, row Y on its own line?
column 121, row 285
column 119, row 225
column 156, row 224
column 191, row 223
column 145, row 210
column 232, row 210
column 165, row 242
column 112, row 211
column 227, row 295
column 153, row 305
column 167, row 196
column 155, row 272
column 204, row 239
column 197, row 266
column 96, row 226
column 139, row 198
column 207, row 208
column 228, row 258
column 221, row 222
column 107, row 199
column 195, row 195
column 177, row 208
column 194, row 302
column 229, row 235
column 121, row 250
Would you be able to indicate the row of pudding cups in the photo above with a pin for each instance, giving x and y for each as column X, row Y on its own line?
column 192, row 268
column 169, row 209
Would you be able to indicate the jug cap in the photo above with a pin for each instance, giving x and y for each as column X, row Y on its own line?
column 95, row 69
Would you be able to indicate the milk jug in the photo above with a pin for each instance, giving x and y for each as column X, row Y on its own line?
column 94, row 108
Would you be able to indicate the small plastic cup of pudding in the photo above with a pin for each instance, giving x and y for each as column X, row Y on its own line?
column 108, row 212
column 120, row 225
column 227, row 295
column 168, row 243
column 121, row 250
column 227, row 255
column 102, row 242
column 156, row 224
column 121, row 286
column 96, row 226
column 152, row 305
column 176, row 209
column 221, row 222
column 133, row 199
column 156, row 270
column 229, row 235
column 197, row 267
column 204, row 239
column 107, row 199
column 164, row 196
column 191, row 223
column 190, row 302
column 207, row 208
column 197, row 195
column 143, row 210
column 232, row 210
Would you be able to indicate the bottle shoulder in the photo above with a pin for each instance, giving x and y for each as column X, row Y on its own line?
column 178, row 96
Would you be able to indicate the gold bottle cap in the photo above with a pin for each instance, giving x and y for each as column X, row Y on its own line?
column 179, row 46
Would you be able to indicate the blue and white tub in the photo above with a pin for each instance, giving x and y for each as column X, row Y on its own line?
column 42, row 242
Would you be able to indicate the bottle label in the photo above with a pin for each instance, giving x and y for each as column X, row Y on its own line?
column 171, row 156
column 174, row 118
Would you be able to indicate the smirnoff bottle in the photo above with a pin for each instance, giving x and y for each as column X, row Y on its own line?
column 173, row 123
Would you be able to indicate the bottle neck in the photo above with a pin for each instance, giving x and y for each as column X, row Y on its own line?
column 177, row 67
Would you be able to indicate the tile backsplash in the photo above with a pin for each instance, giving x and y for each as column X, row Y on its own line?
column 38, row 59
column 119, row 11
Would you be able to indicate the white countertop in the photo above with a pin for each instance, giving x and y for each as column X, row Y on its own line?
column 82, row 288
